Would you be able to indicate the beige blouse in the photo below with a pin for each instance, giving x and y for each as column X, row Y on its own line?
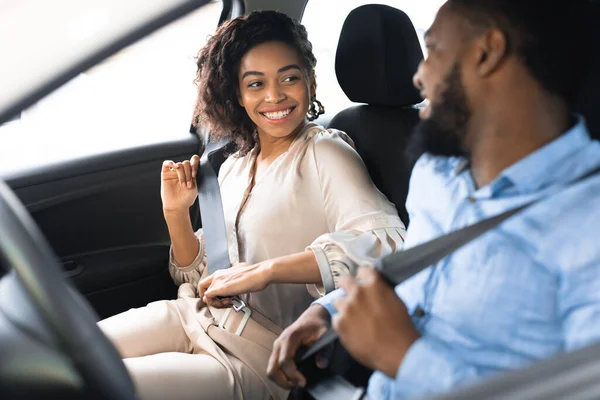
column 317, row 195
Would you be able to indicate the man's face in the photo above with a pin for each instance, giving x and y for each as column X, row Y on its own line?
column 443, row 127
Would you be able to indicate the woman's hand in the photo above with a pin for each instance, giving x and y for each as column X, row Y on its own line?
column 239, row 279
column 178, row 184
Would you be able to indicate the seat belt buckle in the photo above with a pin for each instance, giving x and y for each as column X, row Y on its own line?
column 238, row 306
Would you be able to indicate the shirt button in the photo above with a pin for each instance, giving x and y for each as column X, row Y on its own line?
column 471, row 199
column 419, row 312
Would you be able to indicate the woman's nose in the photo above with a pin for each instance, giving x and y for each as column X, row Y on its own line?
column 274, row 94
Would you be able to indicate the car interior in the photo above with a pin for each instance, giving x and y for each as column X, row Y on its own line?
column 101, row 219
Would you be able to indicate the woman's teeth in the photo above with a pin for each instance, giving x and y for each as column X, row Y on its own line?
column 278, row 114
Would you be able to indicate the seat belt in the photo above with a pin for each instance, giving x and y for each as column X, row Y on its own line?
column 216, row 246
column 398, row 267
column 211, row 211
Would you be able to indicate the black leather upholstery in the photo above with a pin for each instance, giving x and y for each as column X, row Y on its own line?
column 377, row 55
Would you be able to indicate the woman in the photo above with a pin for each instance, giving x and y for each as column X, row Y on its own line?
column 299, row 205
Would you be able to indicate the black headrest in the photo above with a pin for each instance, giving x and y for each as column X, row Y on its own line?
column 377, row 56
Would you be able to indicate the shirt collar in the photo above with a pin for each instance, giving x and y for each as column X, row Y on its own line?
column 536, row 170
column 461, row 165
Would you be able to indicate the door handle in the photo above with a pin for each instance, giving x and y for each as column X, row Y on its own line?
column 72, row 268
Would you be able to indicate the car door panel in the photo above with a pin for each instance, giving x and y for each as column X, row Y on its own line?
column 103, row 217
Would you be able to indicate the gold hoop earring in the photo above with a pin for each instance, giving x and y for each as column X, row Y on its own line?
column 315, row 109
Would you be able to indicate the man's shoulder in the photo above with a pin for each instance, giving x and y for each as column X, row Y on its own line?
column 577, row 203
column 568, row 225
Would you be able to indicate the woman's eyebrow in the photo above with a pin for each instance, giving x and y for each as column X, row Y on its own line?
column 247, row 73
column 288, row 67
column 282, row 69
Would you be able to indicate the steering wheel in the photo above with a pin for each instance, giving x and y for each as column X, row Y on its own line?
column 63, row 309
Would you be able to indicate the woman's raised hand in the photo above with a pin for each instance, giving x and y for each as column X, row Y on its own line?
column 178, row 184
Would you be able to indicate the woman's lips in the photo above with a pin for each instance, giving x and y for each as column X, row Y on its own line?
column 278, row 116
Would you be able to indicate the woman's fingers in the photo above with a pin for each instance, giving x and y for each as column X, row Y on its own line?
column 184, row 174
column 218, row 302
column 203, row 285
column 168, row 170
column 220, row 289
column 194, row 163
column 167, row 165
column 217, row 289
column 180, row 173
column 187, row 169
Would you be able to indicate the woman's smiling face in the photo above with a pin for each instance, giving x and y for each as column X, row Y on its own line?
column 274, row 88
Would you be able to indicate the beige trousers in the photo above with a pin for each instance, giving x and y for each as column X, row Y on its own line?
column 170, row 356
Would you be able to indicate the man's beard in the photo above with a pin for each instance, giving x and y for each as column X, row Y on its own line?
column 443, row 132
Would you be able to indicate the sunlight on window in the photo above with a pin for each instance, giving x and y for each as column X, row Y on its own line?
column 144, row 94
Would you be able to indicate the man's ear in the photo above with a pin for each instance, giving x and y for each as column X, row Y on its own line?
column 491, row 51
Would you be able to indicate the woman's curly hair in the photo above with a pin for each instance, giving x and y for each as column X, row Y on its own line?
column 218, row 62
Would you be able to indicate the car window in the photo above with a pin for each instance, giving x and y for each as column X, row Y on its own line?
column 144, row 94
column 324, row 35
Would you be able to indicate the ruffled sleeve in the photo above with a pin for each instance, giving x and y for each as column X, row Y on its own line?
column 190, row 273
column 364, row 226
column 341, row 253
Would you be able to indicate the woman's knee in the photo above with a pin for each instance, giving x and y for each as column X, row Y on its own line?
column 152, row 329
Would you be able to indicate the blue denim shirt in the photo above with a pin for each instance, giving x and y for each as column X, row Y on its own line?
column 519, row 293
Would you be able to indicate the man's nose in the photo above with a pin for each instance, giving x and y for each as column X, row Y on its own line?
column 417, row 77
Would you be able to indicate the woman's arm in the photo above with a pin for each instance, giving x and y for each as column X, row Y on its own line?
column 363, row 225
column 295, row 268
column 243, row 278
column 185, row 244
column 178, row 192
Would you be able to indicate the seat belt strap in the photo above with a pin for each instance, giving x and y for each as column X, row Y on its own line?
column 211, row 212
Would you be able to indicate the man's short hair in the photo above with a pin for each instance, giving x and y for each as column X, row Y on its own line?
column 551, row 37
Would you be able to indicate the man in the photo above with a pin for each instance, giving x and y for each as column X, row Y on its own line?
column 501, row 79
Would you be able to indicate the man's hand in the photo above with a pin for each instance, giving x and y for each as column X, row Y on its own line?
column 373, row 323
column 239, row 279
column 310, row 326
